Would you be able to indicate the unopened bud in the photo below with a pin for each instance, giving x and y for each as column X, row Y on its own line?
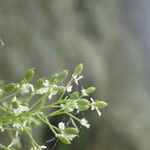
column 99, row 104
column 63, row 139
column 29, row 74
column 10, row 87
column 78, row 69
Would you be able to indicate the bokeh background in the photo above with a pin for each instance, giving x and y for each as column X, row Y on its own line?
column 110, row 37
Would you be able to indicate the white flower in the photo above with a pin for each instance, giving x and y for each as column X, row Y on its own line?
column 52, row 91
column 93, row 107
column 77, row 79
column 69, row 88
column 20, row 109
column 61, row 126
column 46, row 88
column 84, row 93
column 84, row 122
column 26, row 88
column 42, row 90
column 39, row 147
column 70, row 137
column 42, row 147
column 46, row 83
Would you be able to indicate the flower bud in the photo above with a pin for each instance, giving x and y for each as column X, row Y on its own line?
column 78, row 70
column 72, row 131
column 10, row 87
column 82, row 104
column 63, row 139
column 29, row 74
column 74, row 95
column 90, row 90
column 59, row 89
column 99, row 104
column 62, row 75
column 53, row 78
column 39, row 83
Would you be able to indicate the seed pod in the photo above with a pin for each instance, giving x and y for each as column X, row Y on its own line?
column 63, row 139
column 62, row 75
column 59, row 89
column 39, row 83
column 29, row 74
column 53, row 78
column 72, row 131
column 10, row 87
column 78, row 70
column 99, row 104
column 90, row 90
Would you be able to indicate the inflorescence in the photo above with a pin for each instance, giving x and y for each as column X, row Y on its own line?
column 23, row 105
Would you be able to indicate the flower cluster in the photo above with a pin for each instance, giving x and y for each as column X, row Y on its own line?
column 22, row 107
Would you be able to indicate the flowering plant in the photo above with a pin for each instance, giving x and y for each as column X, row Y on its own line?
column 23, row 105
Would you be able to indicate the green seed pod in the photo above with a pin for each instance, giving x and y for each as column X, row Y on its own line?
column 78, row 69
column 62, row 75
column 53, row 78
column 59, row 89
column 63, row 139
column 39, row 83
column 99, row 104
column 10, row 87
column 74, row 95
column 90, row 90
column 83, row 104
column 29, row 74
column 72, row 131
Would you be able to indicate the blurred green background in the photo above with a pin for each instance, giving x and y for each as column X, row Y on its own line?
column 110, row 37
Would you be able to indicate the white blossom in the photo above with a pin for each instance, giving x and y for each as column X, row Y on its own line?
column 70, row 137
column 61, row 126
column 84, row 122
column 20, row 109
column 69, row 88
column 52, row 91
column 42, row 147
column 84, row 93
column 46, row 83
column 26, row 88
column 77, row 79
column 42, row 90
column 95, row 108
